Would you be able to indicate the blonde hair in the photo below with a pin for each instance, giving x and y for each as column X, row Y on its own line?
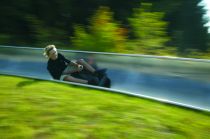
column 47, row 49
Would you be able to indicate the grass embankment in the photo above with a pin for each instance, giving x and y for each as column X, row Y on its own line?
column 45, row 110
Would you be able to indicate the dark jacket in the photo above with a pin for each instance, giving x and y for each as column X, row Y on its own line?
column 56, row 67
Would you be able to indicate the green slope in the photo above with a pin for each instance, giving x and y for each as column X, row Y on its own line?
column 46, row 110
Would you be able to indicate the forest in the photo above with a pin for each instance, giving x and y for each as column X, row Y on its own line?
column 156, row 27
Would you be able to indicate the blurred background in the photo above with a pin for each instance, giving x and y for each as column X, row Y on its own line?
column 156, row 27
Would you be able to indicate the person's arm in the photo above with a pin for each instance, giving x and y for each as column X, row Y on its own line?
column 71, row 63
column 74, row 64
column 79, row 67
column 64, row 59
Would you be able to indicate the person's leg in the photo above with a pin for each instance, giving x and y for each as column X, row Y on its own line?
column 99, row 72
column 77, row 80
column 86, row 65
column 73, row 79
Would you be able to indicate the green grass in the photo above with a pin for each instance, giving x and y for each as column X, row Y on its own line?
column 33, row 109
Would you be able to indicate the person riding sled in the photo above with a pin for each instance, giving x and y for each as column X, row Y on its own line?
column 61, row 68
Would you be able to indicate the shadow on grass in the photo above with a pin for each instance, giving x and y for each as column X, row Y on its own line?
column 28, row 82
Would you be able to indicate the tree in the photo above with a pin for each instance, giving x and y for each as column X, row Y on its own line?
column 149, row 29
column 103, row 34
column 43, row 34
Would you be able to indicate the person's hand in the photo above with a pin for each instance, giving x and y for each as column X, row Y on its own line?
column 80, row 68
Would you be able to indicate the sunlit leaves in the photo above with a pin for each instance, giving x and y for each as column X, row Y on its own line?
column 103, row 34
